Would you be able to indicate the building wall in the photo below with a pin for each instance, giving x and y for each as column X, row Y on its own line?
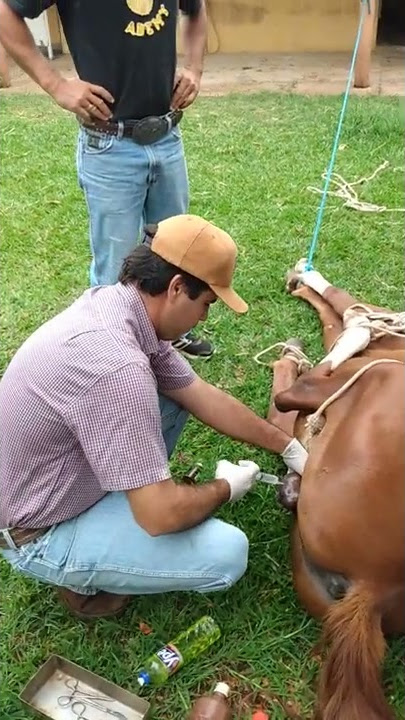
column 282, row 25
column 262, row 26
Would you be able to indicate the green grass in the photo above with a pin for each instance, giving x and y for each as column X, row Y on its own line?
column 250, row 162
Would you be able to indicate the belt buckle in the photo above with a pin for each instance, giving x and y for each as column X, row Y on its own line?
column 149, row 130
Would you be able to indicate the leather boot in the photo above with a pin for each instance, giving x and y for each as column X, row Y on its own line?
column 102, row 604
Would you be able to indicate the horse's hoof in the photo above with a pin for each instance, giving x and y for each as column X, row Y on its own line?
column 292, row 281
column 293, row 277
column 292, row 343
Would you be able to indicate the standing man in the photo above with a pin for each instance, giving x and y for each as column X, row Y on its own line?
column 129, row 100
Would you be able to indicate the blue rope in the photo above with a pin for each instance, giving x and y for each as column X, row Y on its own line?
column 315, row 236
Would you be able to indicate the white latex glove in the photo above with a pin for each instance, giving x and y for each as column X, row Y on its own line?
column 240, row 477
column 295, row 456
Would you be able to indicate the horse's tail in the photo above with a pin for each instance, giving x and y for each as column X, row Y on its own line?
column 350, row 686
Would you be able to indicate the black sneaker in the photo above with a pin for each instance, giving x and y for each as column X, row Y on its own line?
column 194, row 347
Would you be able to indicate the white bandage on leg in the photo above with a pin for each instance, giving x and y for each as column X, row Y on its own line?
column 295, row 456
column 316, row 281
column 311, row 278
column 355, row 338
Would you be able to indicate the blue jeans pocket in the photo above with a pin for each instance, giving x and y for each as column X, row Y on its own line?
column 46, row 557
column 94, row 143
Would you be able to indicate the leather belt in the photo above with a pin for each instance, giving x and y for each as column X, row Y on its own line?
column 144, row 132
column 21, row 536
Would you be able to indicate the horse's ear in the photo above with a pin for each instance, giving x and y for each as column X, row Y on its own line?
column 308, row 393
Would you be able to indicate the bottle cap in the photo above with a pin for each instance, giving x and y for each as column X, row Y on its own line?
column 222, row 688
column 143, row 679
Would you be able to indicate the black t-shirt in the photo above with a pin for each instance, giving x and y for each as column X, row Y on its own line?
column 127, row 46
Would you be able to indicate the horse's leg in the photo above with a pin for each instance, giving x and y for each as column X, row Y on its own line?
column 332, row 325
column 331, row 303
column 312, row 596
column 338, row 299
column 285, row 373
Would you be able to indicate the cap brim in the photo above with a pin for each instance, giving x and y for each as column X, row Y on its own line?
column 230, row 298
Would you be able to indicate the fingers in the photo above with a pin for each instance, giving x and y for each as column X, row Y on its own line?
column 182, row 94
column 92, row 105
column 188, row 100
column 97, row 108
column 97, row 98
column 185, row 91
column 101, row 92
column 83, row 114
column 84, row 99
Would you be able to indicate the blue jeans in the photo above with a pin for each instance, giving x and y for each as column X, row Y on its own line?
column 105, row 549
column 127, row 186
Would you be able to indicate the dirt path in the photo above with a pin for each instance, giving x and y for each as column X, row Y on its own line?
column 309, row 73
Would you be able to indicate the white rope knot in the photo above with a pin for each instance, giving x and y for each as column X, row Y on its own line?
column 379, row 322
column 314, row 423
column 292, row 352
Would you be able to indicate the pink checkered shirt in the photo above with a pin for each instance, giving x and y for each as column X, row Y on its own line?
column 79, row 409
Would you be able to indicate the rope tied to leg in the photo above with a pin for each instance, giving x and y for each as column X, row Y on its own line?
column 292, row 352
column 379, row 322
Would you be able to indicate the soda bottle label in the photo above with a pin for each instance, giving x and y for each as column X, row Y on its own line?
column 170, row 657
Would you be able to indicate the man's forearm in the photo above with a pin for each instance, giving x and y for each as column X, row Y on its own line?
column 19, row 43
column 176, row 507
column 230, row 417
column 195, row 39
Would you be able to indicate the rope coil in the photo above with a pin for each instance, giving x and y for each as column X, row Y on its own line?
column 346, row 192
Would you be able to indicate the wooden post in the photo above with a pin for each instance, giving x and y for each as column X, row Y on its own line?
column 367, row 40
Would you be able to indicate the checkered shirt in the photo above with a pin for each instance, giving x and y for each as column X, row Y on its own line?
column 79, row 409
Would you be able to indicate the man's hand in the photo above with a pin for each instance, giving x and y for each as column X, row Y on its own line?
column 240, row 478
column 82, row 98
column 186, row 88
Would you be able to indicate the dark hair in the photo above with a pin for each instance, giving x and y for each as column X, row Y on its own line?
column 152, row 274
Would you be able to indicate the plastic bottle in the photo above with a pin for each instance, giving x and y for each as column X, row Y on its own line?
column 184, row 648
column 212, row 707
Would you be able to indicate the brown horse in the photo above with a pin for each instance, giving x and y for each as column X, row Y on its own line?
column 348, row 538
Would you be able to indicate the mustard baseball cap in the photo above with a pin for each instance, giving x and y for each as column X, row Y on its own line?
column 201, row 249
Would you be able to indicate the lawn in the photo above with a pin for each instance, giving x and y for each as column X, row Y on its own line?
column 250, row 161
